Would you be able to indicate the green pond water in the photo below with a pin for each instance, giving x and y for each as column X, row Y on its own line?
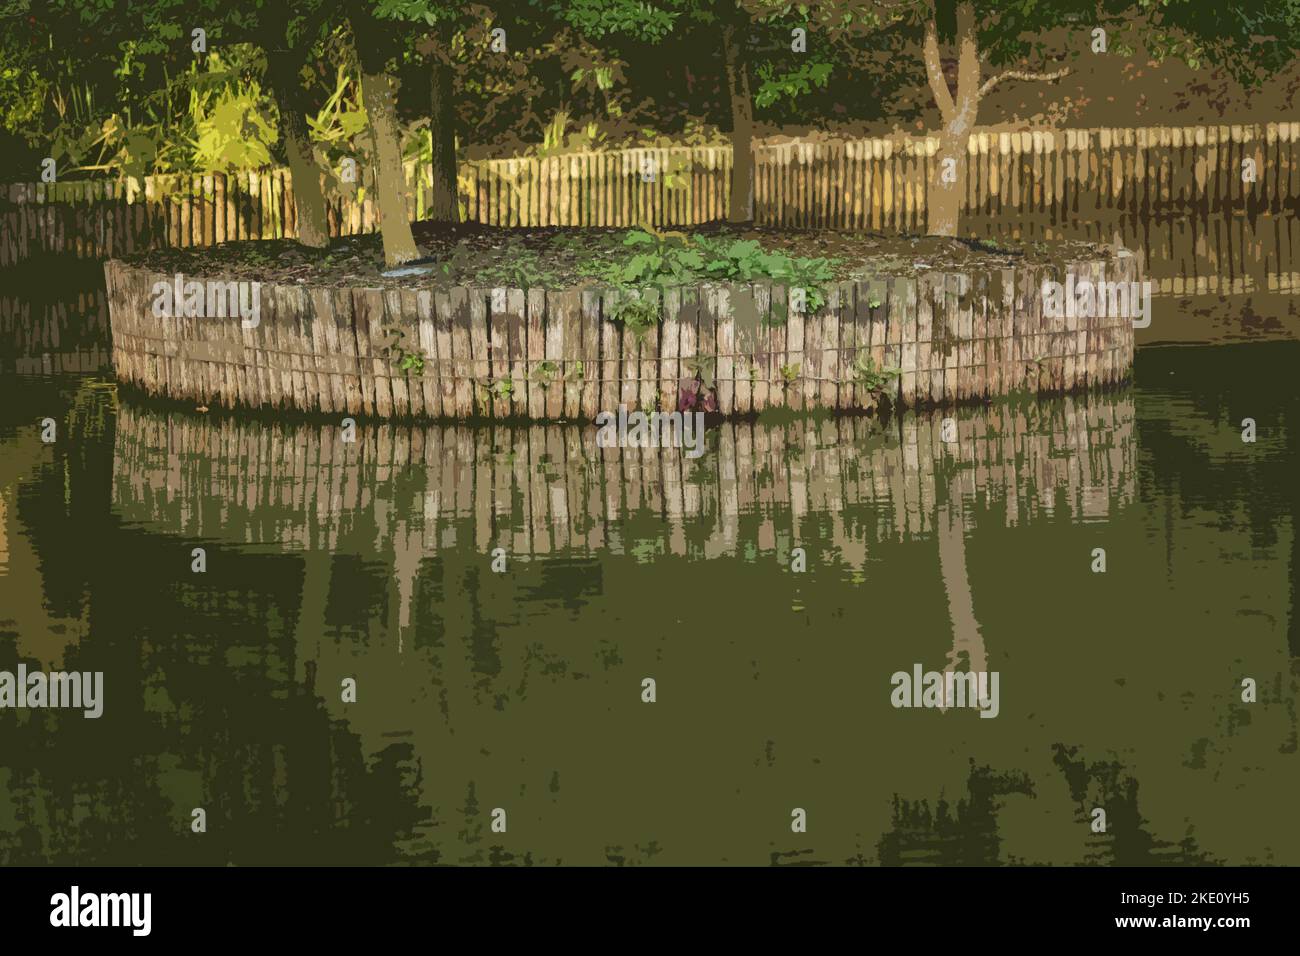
column 522, row 690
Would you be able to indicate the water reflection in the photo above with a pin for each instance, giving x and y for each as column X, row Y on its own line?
column 1214, row 280
column 54, row 320
column 543, row 489
column 522, row 690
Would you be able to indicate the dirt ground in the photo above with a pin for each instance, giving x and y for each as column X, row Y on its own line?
column 476, row 255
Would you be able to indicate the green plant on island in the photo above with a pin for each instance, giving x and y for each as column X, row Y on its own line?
column 702, row 367
column 544, row 372
column 872, row 377
column 406, row 360
column 638, row 315
column 672, row 258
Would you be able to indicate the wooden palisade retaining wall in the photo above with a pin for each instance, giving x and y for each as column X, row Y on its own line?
column 875, row 184
column 953, row 337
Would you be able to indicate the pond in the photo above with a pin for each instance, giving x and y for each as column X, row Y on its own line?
column 394, row 639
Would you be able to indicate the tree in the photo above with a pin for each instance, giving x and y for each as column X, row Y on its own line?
column 959, row 109
column 746, row 36
column 288, row 33
column 724, row 25
column 439, row 22
column 740, row 205
column 375, row 43
column 996, row 42
column 294, row 33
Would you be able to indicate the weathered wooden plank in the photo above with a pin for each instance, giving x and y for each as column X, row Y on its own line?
column 648, row 386
column 420, row 302
column 590, row 357
column 400, row 333
column 570, row 302
column 368, row 308
column 479, row 302
column 554, row 346
column 611, row 354
column 719, row 303
column 536, row 347
column 516, row 340
column 499, row 350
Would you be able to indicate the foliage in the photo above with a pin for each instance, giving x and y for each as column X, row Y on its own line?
column 342, row 116
column 544, row 372
column 672, row 258
column 639, row 315
column 868, row 375
column 656, row 258
column 113, row 85
column 702, row 367
column 234, row 132
column 406, row 360
column 791, row 84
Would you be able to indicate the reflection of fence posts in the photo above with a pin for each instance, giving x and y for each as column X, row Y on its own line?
column 1180, row 255
column 880, row 184
column 539, row 489
column 65, row 333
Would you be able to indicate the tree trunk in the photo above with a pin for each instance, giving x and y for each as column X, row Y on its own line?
column 948, row 172
column 442, row 119
column 381, row 111
column 308, row 197
column 943, row 197
column 740, row 209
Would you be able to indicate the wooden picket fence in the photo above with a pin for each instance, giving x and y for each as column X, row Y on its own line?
column 870, row 184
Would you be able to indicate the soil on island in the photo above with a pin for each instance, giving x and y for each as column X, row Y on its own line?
column 471, row 254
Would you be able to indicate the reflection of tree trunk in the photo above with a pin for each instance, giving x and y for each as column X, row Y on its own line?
column 1293, row 618
column 406, row 568
column 310, row 625
column 381, row 110
column 308, row 197
column 741, row 206
column 442, row 119
column 967, row 641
